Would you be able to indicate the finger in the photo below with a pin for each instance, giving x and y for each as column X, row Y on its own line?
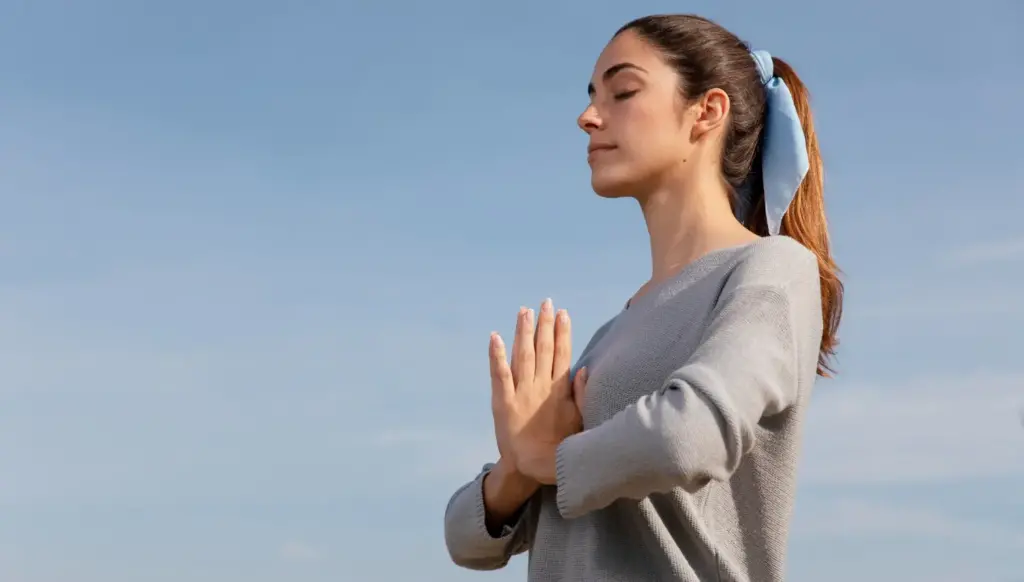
column 579, row 386
column 515, row 343
column 544, row 340
column 502, row 387
column 523, row 355
column 563, row 351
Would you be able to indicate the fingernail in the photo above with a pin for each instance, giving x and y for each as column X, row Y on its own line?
column 546, row 305
column 529, row 316
column 563, row 315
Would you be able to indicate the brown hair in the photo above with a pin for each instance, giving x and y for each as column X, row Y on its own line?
column 707, row 56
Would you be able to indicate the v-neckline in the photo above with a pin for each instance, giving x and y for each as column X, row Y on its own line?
column 687, row 274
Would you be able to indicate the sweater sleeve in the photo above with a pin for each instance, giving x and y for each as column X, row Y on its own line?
column 470, row 544
column 703, row 419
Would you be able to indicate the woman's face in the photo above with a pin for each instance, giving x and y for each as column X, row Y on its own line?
column 637, row 120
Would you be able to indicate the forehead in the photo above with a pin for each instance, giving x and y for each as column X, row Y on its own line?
column 628, row 47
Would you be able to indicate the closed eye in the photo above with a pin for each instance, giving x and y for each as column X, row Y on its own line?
column 625, row 95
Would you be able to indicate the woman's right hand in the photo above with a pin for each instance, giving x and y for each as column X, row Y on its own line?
column 533, row 407
column 501, row 367
column 507, row 462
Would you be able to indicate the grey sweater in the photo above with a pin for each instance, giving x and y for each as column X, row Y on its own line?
column 686, row 467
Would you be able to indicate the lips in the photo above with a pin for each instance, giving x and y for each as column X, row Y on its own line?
column 594, row 149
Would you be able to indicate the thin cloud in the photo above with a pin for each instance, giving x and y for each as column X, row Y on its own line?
column 297, row 551
column 1009, row 250
column 438, row 454
column 932, row 429
column 402, row 437
column 947, row 303
column 860, row 518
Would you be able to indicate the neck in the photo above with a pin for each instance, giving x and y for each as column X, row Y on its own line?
column 684, row 224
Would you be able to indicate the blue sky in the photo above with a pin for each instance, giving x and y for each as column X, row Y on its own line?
column 250, row 254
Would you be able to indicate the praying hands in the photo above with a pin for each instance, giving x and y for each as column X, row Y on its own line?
column 534, row 402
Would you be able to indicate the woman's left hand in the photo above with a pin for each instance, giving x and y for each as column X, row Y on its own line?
column 534, row 409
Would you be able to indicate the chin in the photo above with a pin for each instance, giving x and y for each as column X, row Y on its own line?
column 611, row 182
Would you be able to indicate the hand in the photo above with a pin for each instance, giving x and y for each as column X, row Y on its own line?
column 506, row 455
column 531, row 399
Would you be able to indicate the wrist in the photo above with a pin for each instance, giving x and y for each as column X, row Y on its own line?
column 510, row 482
column 505, row 490
column 538, row 463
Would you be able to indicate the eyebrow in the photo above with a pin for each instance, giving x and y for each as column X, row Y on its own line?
column 611, row 72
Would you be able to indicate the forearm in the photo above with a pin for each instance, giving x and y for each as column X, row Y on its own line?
column 676, row 437
column 505, row 492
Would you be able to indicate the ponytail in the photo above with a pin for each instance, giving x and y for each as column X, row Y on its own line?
column 805, row 221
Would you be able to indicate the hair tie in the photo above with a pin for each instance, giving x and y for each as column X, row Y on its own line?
column 784, row 161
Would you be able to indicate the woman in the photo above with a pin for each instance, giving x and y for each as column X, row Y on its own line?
column 673, row 453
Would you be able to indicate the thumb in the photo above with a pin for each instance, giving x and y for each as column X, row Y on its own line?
column 579, row 386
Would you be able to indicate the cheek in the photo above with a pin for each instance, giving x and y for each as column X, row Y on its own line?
column 650, row 143
column 649, row 128
column 657, row 141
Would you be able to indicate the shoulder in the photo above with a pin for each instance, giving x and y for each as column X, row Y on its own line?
column 777, row 262
column 780, row 272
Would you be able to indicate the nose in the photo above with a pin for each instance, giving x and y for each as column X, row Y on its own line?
column 589, row 120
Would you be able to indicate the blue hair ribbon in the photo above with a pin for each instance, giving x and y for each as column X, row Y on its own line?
column 784, row 161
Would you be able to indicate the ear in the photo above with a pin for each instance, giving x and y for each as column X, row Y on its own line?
column 712, row 110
